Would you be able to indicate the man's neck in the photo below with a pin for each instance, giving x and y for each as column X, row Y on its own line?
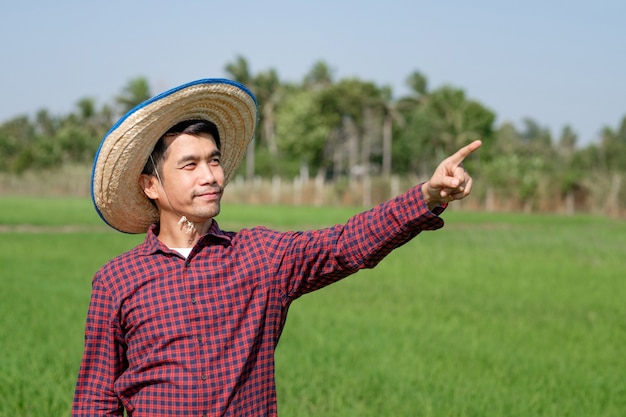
column 182, row 234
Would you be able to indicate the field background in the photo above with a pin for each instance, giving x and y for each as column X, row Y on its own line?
column 494, row 315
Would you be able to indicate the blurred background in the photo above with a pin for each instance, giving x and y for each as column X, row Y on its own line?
column 356, row 99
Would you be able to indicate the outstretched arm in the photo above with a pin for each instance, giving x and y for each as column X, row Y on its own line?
column 450, row 181
column 310, row 260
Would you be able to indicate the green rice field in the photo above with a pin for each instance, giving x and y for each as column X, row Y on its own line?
column 494, row 315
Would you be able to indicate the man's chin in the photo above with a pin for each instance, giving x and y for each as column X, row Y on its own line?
column 207, row 213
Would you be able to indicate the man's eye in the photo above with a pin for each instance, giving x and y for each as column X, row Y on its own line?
column 189, row 166
column 215, row 161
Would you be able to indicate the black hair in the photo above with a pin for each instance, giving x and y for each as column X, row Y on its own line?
column 190, row 127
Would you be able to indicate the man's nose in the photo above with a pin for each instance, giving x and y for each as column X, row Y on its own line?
column 208, row 173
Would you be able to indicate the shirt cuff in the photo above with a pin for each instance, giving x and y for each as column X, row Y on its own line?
column 413, row 211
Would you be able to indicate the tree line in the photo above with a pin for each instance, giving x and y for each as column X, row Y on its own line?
column 352, row 128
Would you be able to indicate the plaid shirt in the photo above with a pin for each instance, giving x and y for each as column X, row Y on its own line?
column 196, row 337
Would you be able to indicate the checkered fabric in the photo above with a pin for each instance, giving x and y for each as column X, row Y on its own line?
column 196, row 337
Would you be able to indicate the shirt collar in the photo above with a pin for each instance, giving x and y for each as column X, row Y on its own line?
column 214, row 235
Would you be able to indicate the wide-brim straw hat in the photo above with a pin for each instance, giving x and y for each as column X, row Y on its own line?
column 125, row 149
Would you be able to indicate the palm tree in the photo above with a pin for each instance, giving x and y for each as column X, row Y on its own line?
column 391, row 115
column 319, row 77
column 136, row 91
column 267, row 88
column 240, row 71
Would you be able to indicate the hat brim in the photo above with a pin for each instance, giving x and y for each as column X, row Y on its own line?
column 125, row 149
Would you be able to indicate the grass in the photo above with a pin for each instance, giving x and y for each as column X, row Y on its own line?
column 494, row 315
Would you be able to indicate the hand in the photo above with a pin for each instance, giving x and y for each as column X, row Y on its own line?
column 450, row 181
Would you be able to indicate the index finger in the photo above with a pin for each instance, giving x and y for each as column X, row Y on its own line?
column 464, row 152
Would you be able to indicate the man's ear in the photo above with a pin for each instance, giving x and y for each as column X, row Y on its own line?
column 148, row 184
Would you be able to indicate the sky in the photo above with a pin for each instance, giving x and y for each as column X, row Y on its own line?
column 554, row 61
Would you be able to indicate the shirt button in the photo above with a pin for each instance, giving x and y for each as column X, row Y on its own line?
column 193, row 300
column 199, row 339
column 203, row 377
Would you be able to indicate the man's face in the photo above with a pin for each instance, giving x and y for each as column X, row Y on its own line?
column 193, row 179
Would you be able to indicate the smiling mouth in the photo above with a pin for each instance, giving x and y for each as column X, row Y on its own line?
column 210, row 195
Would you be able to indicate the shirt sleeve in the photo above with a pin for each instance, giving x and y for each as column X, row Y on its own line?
column 307, row 261
column 103, row 359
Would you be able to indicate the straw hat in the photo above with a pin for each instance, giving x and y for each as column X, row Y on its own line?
column 125, row 149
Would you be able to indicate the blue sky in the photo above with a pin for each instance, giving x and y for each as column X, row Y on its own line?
column 557, row 62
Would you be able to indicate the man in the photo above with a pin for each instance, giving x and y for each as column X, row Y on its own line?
column 186, row 323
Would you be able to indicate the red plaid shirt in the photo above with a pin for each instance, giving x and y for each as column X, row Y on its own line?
column 196, row 337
